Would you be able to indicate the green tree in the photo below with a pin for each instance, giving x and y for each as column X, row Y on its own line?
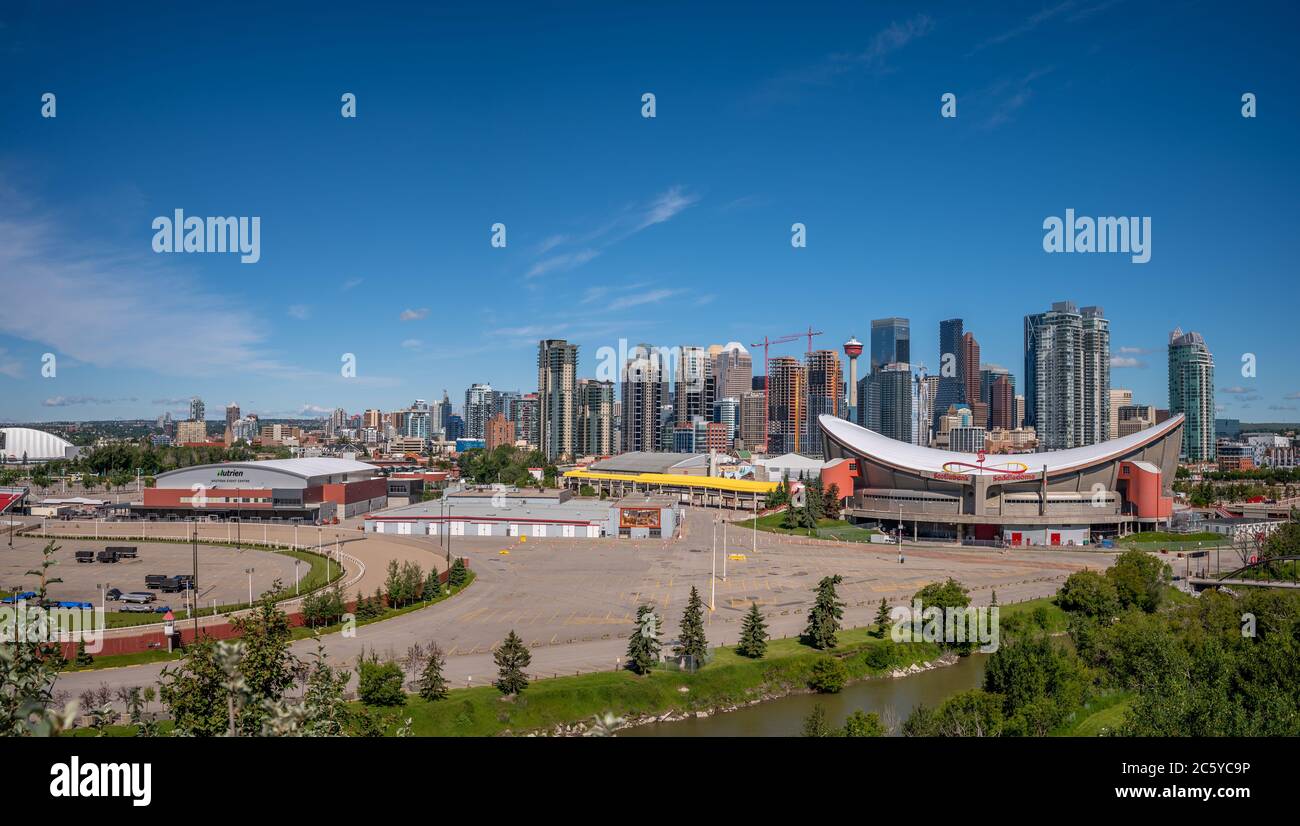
column 1090, row 594
column 83, row 657
column 825, row 615
column 832, row 507
column 815, row 724
column 882, row 622
column 458, row 574
column 974, row 713
column 266, row 666
column 1139, row 579
column 828, row 676
column 643, row 643
column 945, row 595
column 195, row 692
column 691, row 641
column 862, row 724
column 512, row 658
column 433, row 686
column 325, row 709
column 753, row 634
column 379, row 683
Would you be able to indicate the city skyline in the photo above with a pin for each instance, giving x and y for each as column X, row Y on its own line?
column 674, row 230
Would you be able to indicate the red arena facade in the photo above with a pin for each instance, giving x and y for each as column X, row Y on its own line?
column 1056, row 498
column 279, row 490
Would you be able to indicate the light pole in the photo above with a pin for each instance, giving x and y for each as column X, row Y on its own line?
column 296, row 563
column 249, row 571
column 724, row 550
column 713, row 577
column 754, row 549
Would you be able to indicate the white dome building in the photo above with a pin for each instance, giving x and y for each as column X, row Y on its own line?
column 36, row 445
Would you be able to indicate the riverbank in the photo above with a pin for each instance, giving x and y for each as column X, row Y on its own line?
column 567, row 706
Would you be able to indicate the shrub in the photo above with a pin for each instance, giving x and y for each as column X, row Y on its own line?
column 380, row 684
column 828, row 676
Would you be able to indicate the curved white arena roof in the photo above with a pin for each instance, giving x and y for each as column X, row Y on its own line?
column 306, row 468
column 38, row 445
column 909, row 457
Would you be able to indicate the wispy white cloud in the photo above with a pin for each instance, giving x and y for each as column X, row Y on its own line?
column 351, row 283
column 9, row 365
column 414, row 315
column 299, row 311
column 638, row 298
column 1120, row 362
column 112, row 307
column 412, row 344
column 628, row 222
column 77, row 401
column 1026, row 26
column 872, row 58
column 560, row 263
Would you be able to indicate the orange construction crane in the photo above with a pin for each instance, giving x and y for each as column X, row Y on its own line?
column 765, row 344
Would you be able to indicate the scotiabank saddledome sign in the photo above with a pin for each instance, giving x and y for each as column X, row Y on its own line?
column 964, row 472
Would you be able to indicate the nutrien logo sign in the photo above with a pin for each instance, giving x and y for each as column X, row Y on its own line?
column 225, row 473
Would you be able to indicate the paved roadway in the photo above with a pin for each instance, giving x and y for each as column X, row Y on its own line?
column 573, row 600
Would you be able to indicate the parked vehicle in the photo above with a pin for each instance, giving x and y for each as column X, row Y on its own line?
column 162, row 609
column 25, row 595
column 172, row 584
column 155, row 581
column 86, row 556
column 113, row 594
column 140, row 597
column 124, row 551
column 80, row 605
column 106, row 556
column 135, row 608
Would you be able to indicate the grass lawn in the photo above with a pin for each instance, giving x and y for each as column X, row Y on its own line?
column 302, row 632
column 1175, row 538
column 1102, row 715
column 314, row 578
column 826, row 528
column 727, row 679
column 153, row 655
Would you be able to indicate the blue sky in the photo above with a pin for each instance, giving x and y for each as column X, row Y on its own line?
column 375, row 231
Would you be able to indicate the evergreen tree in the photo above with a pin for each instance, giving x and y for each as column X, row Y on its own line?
column 433, row 686
column 458, row 574
column 994, row 600
column 512, row 658
column 431, row 587
column 831, row 502
column 643, row 644
column 691, row 640
column 815, row 725
column 882, row 619
column 753, row 634
column 83, row 656
column 825, row 615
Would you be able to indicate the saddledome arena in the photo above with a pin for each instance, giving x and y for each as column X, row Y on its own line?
column 1063, row 497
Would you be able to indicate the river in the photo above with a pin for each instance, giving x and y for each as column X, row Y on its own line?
column 892, row 698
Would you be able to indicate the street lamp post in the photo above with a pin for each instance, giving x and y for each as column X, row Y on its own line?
column 713, row 577
column 296, row 563
column 249, row 571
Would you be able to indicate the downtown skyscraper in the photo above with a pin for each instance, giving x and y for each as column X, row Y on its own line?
column 644, row 397
column 557, row 398
column 1191, row 392
column 825, row 395
column 1067, row 376
column 952, row 376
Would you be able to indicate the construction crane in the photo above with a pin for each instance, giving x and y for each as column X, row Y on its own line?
column 765, row 344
